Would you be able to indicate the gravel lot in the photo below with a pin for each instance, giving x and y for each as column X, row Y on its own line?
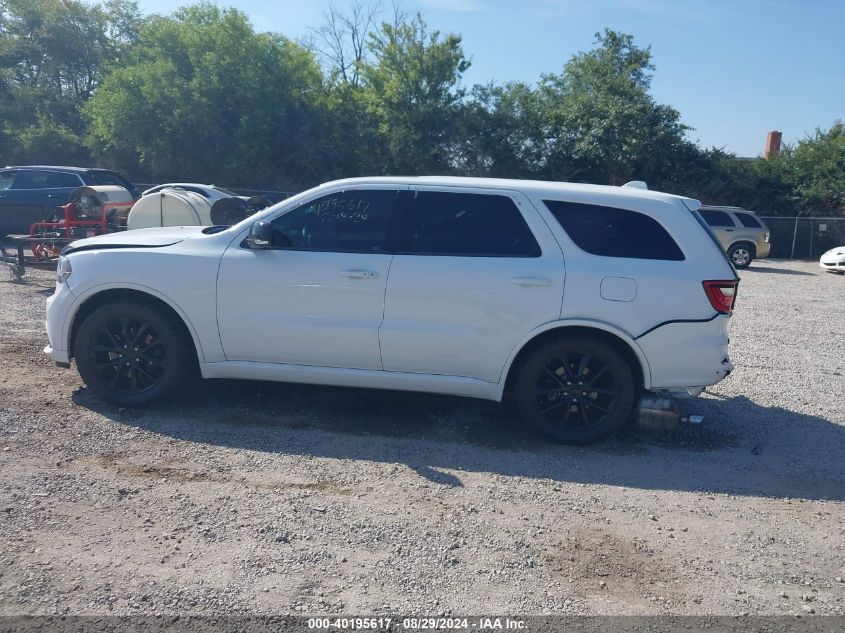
column 252, row 497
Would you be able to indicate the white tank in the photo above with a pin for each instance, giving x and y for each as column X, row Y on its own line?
column 170, row 207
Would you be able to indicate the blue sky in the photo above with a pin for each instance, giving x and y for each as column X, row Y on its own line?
column 735, row 69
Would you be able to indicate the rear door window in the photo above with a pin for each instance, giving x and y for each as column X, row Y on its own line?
column 716, row 218
column 614, row 232
column 748, row 221
column 464, row 225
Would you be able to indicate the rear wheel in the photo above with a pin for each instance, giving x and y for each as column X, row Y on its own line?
column 129, row 353
column 741, row 255
column 576, row 389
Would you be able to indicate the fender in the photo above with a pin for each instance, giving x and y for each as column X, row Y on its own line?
column 93, row 290
column 590, row 323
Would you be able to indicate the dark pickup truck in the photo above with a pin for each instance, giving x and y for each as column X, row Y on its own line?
column 31, row 193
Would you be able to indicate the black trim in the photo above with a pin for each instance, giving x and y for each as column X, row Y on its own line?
column 659, row 325
column 67, row 250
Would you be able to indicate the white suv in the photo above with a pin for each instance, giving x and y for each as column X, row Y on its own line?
column 575, row 299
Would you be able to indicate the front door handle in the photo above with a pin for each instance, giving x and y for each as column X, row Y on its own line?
column 532, row 282
column 359, row 274
column 729, row 230
column 53, row 195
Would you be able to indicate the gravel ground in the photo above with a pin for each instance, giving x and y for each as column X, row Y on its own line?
column 244, row 497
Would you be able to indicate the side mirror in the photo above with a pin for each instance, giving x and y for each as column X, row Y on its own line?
column 260, row 234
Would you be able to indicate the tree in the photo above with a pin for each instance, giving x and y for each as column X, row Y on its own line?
column 814, row 170
column 413, row 91
column 342, row 41
column 52, row 57
column 602, row 123
column 203, row 96
column 502, row 129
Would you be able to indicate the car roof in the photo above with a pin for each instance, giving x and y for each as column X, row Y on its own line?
column 717, row 207
column 80, row 170
column 183, row 184
column 542, row 187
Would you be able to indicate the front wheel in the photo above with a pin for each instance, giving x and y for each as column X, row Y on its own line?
column 129, row 353
column 576, row 389
column 741, row 255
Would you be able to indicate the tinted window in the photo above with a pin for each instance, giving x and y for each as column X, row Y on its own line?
column 613, row 232
column 716, row 218
column 348, row 222
column 33, row 179
column 7, row 178
column 473, row 225
column 748, row 221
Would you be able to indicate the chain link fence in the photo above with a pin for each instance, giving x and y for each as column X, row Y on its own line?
column 804, row 238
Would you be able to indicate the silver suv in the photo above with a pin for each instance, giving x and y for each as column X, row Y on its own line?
column 742, row 234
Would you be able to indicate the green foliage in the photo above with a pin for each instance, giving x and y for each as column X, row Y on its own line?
column 204, row 96
column 199, row 95
column 604, row 126
column 52, row 57
column 814, row 171
column 413, row 92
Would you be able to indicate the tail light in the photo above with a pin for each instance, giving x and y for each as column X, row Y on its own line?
column 722, row 294
column 766, row 238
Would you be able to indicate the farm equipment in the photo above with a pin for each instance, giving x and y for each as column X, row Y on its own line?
column 92, row 210
column 170, row 207
column 179, row 207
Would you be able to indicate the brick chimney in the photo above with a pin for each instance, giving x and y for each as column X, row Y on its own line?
column 772, row 143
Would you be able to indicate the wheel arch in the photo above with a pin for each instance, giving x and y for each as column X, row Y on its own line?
column 744, row 241
column 611, row 334
column 100, row 295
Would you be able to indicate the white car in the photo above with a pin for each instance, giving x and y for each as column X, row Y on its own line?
column 834, row 260
column 576, row 299
column 210, row 192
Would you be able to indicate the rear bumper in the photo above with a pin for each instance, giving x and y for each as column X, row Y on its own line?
column 687, row 354
column 763, row 250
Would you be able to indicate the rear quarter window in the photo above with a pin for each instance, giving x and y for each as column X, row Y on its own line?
column 748, row 221
column 614, row 232
column 716, row 218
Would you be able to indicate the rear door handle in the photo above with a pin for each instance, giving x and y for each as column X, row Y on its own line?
column 359, row 274
column 533, row 282
column 730, row 230
column 52, row 195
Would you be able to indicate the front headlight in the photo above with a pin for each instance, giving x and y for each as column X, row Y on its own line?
column 63, row 270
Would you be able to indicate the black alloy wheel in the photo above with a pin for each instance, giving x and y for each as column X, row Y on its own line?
column 577, row 389
column 128, row 355
column 131, row 353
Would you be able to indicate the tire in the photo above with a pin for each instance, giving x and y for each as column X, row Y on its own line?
column 105, row 349
column 548, row 397
column 741, row 254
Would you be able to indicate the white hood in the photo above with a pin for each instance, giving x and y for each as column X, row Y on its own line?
column 143, row 238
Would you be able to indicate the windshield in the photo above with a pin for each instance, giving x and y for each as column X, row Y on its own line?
column 224, row 191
